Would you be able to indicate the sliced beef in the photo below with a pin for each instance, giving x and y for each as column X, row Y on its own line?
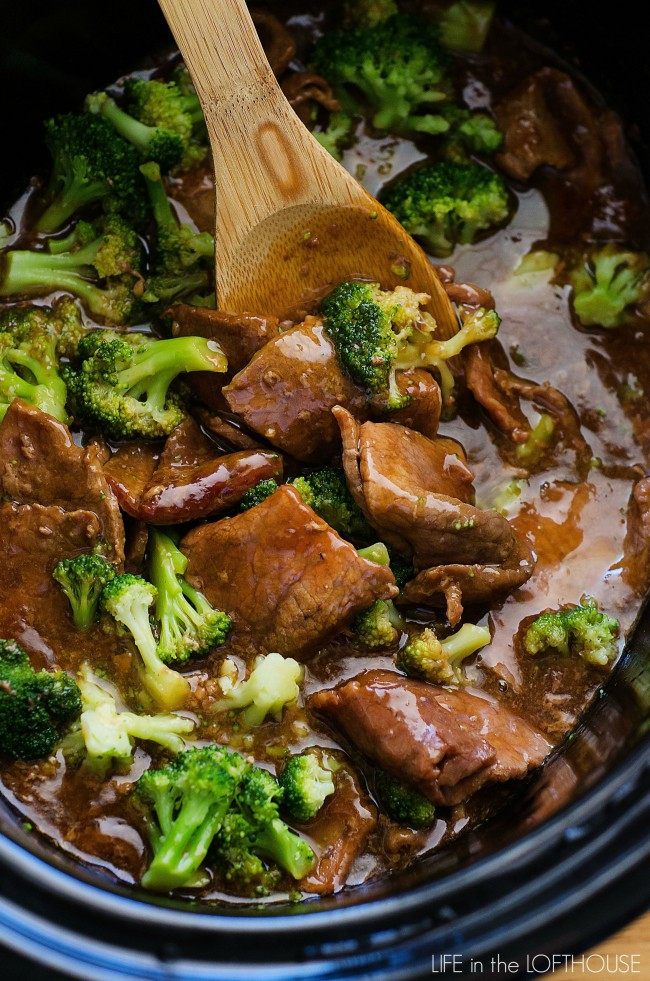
column 455, row 586
column 500, row 391
column 578, row 154
column 226, row 430
column 289, row 389
column 41, row 464
column 129, row 471
column 415, row 491
column 445, row 743
column 423, row 410
column 307, row 92
column 340, row 831
column 284, row 575
column 636, row 548
column 239, row 335
column 278, row 43
column 33, row 608
column 188, row 480
column 191, row 481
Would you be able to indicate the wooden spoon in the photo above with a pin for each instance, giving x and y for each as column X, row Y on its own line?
column 290, row 220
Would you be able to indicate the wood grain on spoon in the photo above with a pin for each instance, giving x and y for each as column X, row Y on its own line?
column 289, row 219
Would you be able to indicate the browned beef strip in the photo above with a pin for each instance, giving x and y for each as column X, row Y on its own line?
column 40, row 464
column 289, row 389
column 503, row 407
column 636, row 548
column 445, row 743
column 226, row 430
column 454, row 586
column 278, row 43
column 340, row 831
column 239, row 335
column 192, row 481
column 422, row 412
column 284, row 575
column 305, row 92
column 129, row 471
column 33, row 608
column 415, row 493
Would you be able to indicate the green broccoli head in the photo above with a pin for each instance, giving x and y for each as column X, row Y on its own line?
column 173, row 107
column 376, row 332
column 35, row 706
column 159, row 143
column 581, row 630
column 108, row 734
column 212, row 804
column 82, row 579
column 610, row 286
column 378, row 625
column 254, row 830
column 441, row 661
column 255, row 495
column 100, row 265
column 189, row 624
column 464, row 24
column 184, row 804
column 338, row 134
column 448, row 204
column 326, row 492
column 122, row 384
column 404, row 805
column 29, row 366
column 468, row 133
column 398, row 67
column 128, row 600
column 306, row 783
column 401, row 568
column 90, row 164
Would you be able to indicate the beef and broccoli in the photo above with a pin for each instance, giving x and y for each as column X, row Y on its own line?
column 285, row 601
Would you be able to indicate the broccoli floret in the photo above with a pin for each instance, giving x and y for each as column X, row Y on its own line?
column 326, row 492
column 35, row 706
column 441, row 661
column 306, row 782
column 162, row 144
column 90, row 164
column 338, row 135
column 108, row 735
column 448, row 203
column 62, row 320
column 464, row 25
column 272, row 684
column 379, row 625
column 173, row 107
column 397, row 65
column 122, row 384
column 253, row 830
column 82, row 579
column 184, row 258
column 581, row 630
column 255, row 495
column 540, row 438
column 189, row 624
column 404, row 805
column 128, row 599
column 184, row 804
column 470, row 132
column 212, row 800
column 29, row 367
column 101, row 268
column 376, row 332
column 609, row 286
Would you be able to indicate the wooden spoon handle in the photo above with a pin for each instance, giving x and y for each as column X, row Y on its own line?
column 264, row 156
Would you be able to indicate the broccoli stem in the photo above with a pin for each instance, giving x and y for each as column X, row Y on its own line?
column 186, row 842
column 469, row 639
column 153, row 373
column 137, row 133
column 377, row 553
column 287, row 849
column 71, row 199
